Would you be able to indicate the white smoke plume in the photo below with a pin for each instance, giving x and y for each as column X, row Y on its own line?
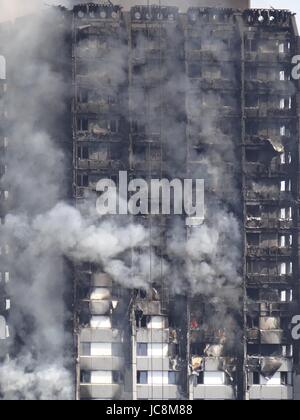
column 36, row 382
column 35, row 181
column 12, row 9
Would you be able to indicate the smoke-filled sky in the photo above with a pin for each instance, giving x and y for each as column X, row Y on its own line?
column 11, row 8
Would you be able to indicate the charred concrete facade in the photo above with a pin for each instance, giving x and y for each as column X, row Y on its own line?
column 271, row 187
column 151, row 344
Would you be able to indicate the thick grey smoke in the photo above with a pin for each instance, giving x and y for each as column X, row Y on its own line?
column 12, row 9
column 35, row 182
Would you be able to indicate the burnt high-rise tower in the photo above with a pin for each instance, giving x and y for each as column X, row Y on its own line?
column 202, row 309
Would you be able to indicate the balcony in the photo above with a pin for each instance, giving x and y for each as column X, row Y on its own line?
column 274, row 337
column 213, row 392
column 103, row 135
column 158, row 392
column 270, row 58
column 261, row 112
column 94, row 165
column 265, row 86
column 98, row 307
column 268, row 392
column 273, row 309
column 222, row 111
column 153, row 364
column 268, row 171
column 145, row 335
column 212, row 56
column 144, row 56
column 149, row 78
column 213, row 84
column 96, row 80
column 270, row 196
column 105, row 363
column 257, row 251
column 105, row 391
column 150, row 307
column 254, row 363
column 260, row 279
column 91, row 54
column 101, row 335
column 208, row 337
column 96, row 108
column 276, row 141
column 213, row 364
column 271, row 224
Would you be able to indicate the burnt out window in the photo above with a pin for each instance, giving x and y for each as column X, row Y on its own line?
column 140, row 153
column 82, row 180
column 114, row 126
column 253, row 350
column 82, row 124
column 144, row 321
column 195, row 70
column 85, row 377
column 83, row 152
column 138, row 127
column 115, row 152
column 227, row 99
column 252, row 101
column 251, row 45
column 141, row 293
column 269, row 350
column 252, row 156
column 251, row 128
column 112, row 100
column 117, row 377
column 253, row 239
column 83, row 95
column 200, row 378
column 252, row 322
column 254, row 267
column 253, row 294
column 155, row 153
column 138, row 69
column 253, row 211
column 256, row 378
column 251, row 73
column 269, row 295
column 284, row 378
